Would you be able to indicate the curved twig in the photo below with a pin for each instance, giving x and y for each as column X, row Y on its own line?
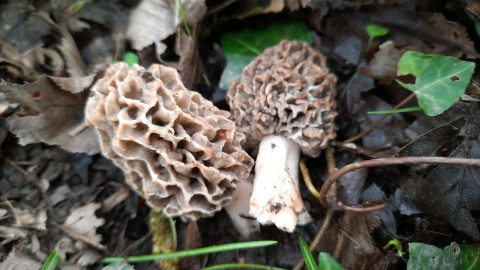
column 327, row 202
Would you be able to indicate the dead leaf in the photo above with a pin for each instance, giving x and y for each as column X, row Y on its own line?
column 448, row 192
column 10, row 234
column 252, row 8
column 154, row 20
column 190, row 65
column 52, row 115
column 358, row 248
column 383, row 66
column 18, row 260
column 451, row 191
column 59, row 194
column 27, row 219
column 84, row 221
column 3, row 213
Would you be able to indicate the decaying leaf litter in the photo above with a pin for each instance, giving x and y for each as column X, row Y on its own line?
column 78, row 203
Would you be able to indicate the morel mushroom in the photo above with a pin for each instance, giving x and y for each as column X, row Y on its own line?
column 176, row 149
column 285, row 100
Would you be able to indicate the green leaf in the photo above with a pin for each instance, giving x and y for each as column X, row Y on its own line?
column 51, row 262
column 477, row 27
column 327, row 262
column 240, row 48
column 307, row 255
column 455, row 256
column 401, row 110
column 374, row 30
column 130, row 58
column 241, row 266
column 189, row 253
column 440, row 80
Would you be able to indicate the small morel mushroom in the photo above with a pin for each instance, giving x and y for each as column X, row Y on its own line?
column 285, row 100
column 176, row 148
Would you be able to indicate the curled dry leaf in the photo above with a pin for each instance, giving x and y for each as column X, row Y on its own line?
column 154, row 20
column 84, row 221
column 19, row 260
column 51, row 111
column 27, row 219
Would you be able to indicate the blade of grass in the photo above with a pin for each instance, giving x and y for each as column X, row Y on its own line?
column 401, row 110
column 189, row 253
column 51, row 262
column 242, row 266
column 184, row 19
column 307, row 255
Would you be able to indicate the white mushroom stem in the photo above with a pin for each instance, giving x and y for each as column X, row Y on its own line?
column 239, row 205
column 276, row 198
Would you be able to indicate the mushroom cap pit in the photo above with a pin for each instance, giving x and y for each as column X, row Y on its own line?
column 176, row 148
column 288, row 91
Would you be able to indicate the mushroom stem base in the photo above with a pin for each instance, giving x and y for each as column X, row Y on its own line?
column 276, row 198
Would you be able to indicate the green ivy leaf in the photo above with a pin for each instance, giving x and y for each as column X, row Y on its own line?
column 455, row 256
column 327, row 262
column 374, row 30
column 240, row 48
column 440, row 80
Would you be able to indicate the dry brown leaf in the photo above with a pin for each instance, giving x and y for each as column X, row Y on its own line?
column 51, row 115
column 438, row 26
column 190, row 65
column 84, row 221
column 27, row 219
column 18, row 260
column 359, row 249
column 10, row 234
column 253, row 8
column 154, row 20
column 383, row 66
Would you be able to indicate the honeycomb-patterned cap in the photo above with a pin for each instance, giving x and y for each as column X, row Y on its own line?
column 176, row 148
column 288, row 91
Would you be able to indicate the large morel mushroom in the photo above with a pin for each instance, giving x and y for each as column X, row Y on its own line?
column 285, row 100
column 176, row 149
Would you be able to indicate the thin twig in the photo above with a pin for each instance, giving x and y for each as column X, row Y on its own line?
column 78, row 236
column 330, row 211
column 326, row 201
column 379, row 121
column 219, row 7
column 37, row 182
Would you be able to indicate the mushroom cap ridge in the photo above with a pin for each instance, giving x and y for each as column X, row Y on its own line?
column 176, row 148
column 288, row 91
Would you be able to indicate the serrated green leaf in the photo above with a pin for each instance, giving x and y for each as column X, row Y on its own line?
column 455, row 256
column 439, row 80
column 240, row 48
column 327, row 262
column 307, row 255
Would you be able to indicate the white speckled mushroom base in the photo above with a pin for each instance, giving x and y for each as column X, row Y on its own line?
column 176, row 148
